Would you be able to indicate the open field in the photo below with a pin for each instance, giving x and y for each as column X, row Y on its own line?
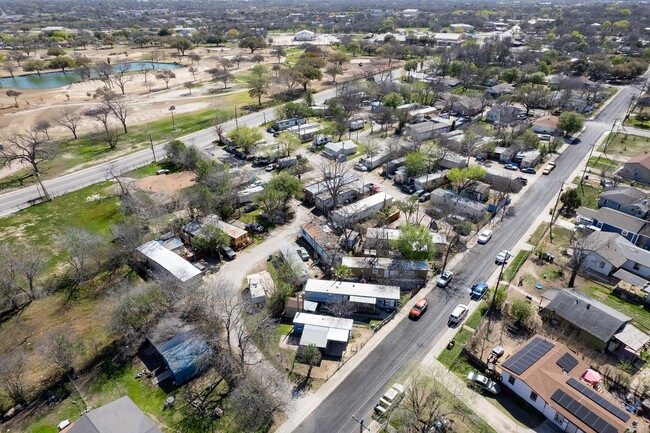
column 623, row 146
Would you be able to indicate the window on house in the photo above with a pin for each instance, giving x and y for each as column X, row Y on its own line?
column 601, row 264
column 533, row 396
column 636, row 267
column 624, row 233
column 559, row 418
column 375, row 271
column 511, row 380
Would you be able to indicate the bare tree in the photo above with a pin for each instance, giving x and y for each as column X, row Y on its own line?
column 116, row 105
column 14, row 94
column 43, row 126
column 70, row 119
column 20, row 266
column 582, row 248
column 63, row 347
column 166, row 76
column 31, row 148
column 101, row 114
column 12, row 371
column 336, row 175
column 84, row 253
column 120, row 76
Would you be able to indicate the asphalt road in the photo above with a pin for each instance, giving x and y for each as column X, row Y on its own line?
column 14, row 200
column 408, row 342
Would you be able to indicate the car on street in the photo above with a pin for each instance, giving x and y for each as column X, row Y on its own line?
column 529, row 170
column 503, row 257
column 549, row 168
column 511, row 166
column 424, row 197
column 485, row 236
column 418, row 309
column 391, row 396
column 374, row 188
column 269, row 168
column 229, row 252
column 255, row 228
column 478, row 290
column 458, row 315
column 360, row 167
column 444, row 279
column 304, row 255
column 484, row 383
column 523, row 180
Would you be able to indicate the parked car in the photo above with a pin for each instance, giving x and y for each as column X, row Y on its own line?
column 163, row 171
column 485, row 236
column 256, row 228
column 418, row 193
column 523, row 180
column 229, row 253
column 270, row 167
column 478, row 290
column 503, row 257
column 511, row 166
column 424, row 197
column 374, row 188
column 304, row 255
column 458, row 315
column 419, row 309
column 389, row 397
column 545, row 137
column 408, row 189
column 360, row 167
column 444, row 279
column 529, row 170
column 549, row 168
column 483, row 382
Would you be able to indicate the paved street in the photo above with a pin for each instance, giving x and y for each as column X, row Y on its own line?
column 410, row 341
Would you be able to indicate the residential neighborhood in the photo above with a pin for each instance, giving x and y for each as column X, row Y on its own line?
column 325, row 217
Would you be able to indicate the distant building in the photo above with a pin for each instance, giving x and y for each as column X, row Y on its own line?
column 420, row 132
column 465, row 28
column 118, row 416
column 304, row 36
column 637, row 169
column 448, row 39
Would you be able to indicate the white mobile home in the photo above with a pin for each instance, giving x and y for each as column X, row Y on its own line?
column 366, row 296
column 160, row 259
column 362, row 209
column 260, row 286
column 290, row 254
column 248, row 195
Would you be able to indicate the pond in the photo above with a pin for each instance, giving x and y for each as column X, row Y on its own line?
column 50, row 80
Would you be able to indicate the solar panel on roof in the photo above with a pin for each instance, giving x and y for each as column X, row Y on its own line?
column 526, row 357
column 583, row 413
column 599, row 400
column 567, row 362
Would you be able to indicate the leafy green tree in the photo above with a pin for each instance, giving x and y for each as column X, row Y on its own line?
column 570, row 200
column 181, row 44
column 415, row 163
column 570, row 122
column 276, row 196
column 210, row 239
column 392, row 100
column 287, row 142
column 529, row 139
column 245, row 136
column 61, row 62
column 253, row 43
column 258, row 87
column 497, row 300
column 55, row 52
column 339, row 58
column 461, row 178
column 309, row 355
column 522, row 311
column 333, row 71
column 510, row 75
column 415, row 243
column 34, row 65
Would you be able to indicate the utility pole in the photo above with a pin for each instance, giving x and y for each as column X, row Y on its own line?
column 236, row 120
column 362, row 424
column 550, row 226
column 152, row 150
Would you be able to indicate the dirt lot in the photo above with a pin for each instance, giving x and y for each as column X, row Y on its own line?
column 167, row 185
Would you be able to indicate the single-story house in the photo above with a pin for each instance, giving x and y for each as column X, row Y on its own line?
column 546, row 125
column 633, row 229
column 405, row 273
column 637, row 169
column 260, row 285
column 182, row 357
column 463, row 105
column 342, row 148
column 304, row 36
column 451, row 160
column 311, row 191
column 448, row 39
column 427, row 130
column 596, row 324
column 430, row 181
column 364, row 297
column 502, row 154
column 329, row 334
column 382, row 237
column 528, row 158
column 500, row 89
column 361, row 209
column 326, row 245
column 547, row 375
column 626, row 199
column 504, row 114
column 238, row 237
column 452, row 203
column 477, row 191
column 160, row 259
column 607, row 252
column 118, row 416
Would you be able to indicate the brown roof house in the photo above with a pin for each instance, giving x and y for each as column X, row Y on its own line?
column 548, row 376
column 637, row 168
column 546, row 125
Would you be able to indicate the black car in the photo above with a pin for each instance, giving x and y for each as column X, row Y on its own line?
column 256, row 228
column 408, row 189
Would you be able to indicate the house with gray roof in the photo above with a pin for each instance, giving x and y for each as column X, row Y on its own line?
column 404, row 273
column 626, row 199
column 631, row 228
column 609, row 252
column 637, row 168
column 118, row 416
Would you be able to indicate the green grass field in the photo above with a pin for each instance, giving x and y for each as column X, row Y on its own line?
column 625, row 145
column 515, row 264
column 448, row 355
column 587, row 193
column 603, row 293
column 603, row 164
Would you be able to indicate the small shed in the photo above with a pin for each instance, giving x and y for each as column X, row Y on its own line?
column 183, row 356
column 329, row 334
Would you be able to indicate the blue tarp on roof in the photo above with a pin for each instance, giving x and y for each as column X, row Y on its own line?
column 182, row 355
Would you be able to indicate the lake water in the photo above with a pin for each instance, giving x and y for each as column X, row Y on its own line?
column 51, row 80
